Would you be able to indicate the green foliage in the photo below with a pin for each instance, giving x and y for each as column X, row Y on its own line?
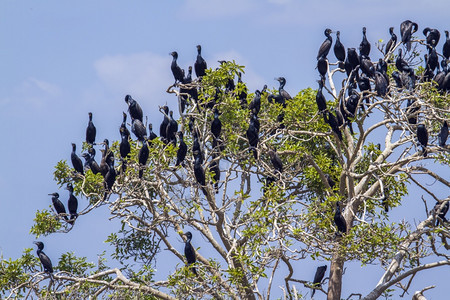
column 45, row 223
column 77, row 266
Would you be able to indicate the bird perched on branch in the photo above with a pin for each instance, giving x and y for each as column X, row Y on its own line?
column 407, row 28
column 189, row 252
column 339, row 219
column 200, row 65
column 59, row 206
column 91, row 131
column 320, row 273
column 134, row 108
column 326, row 45
column 76, row 161
column 443, row 134
column 72, row 203
column 422, row 136
column 176, row 70
column 392, row 41
column 45, row 260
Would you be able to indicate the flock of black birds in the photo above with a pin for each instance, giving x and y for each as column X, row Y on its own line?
column 361, row 72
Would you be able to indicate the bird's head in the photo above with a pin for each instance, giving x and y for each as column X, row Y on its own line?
column 54, row 195
column 174, row 54
column 188, row 235
column 40, row 245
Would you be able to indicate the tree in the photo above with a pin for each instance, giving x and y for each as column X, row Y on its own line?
column 266, row 211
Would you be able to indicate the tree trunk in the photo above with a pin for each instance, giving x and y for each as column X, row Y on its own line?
column 335, row 283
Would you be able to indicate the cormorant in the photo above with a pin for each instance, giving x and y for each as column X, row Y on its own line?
column 91, row 131
column 134, row 108
column 276, row 161
column 339, row 50
column 433, row 60
column 339, row 219
column 90, row 157
column 76, row 161
column 189, row 251
column 326, row 45
column 253, row 135
column 364, row 47
column 110, row 176
column 330, row 181
column 411, row 111
column 72, row 204
column 196, row 148
column 432, row 35
column 255, row 104
column 200, row 64
column 214, row 168
column 422, row 136
column 392, row 41
column 216, row 124
column 401, row 64
column 351, row 61
column 320, row 98
column 446, row 46
column 382, row 67
column 151, row 134
column 143, row 157
column 398, row 79
column 443, row 135
column 441, row 212
column 407, row 28
column 199, row 172
column 320, row 273
column 381, row 85
column 176, row 70
column 123, row 126
column 367, row 66
column 125, row 147
column 171, row 129
column 59, row 206
column 363, row 83
column 139, row 130
column 333, row 122
column 281, row 90
column 164, row 123
column 45, row 260
column 182, row 149
column 242, row 96
column 322, row 67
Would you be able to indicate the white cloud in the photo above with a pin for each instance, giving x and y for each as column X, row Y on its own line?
column 213, row 9
column 141, row 74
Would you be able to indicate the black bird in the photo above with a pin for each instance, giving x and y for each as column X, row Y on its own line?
column 143, row 157
column 189, row 251
column 339, row 219
column 164, row 123
column 381, row 85
column 367, row 66
column 441, row 212
column 443, row 135
column 124, row 146
column 200, row 64
column 214, row 168
column 432, row 35
column 364, row 47
column 199, row 172
column 320, row 273
column 176, row 70
column 433, row 60
column 351, row 61
column 196, row 148
column 339, row 49
column 123, row 127
column 411, row 111
column 281, row 89
column 91, row 131
column 59, row 206
column 76, row 161
column 326, row 45
column 363, row 83
column 422, row 136
column 382, row 66
column 92, row 163
column 242, row 95
column 72, row 204
column 110, row 176
column 320, row 98
column 322, row 67
column 182, row 149
column 139, row 130
column 392, row 41
column 401, row 64
column 276, row 161
column 255, row 104
column 151, row 134
column 407, row 28
column 216, row 124
column 253, row 135
column 171, row 129
column 333, row 122
column 398, row 79
column 134, row 108
column 330, row 181
column 45, row 260
column 446, row 46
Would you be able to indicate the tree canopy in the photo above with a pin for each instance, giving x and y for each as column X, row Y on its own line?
column 276, row 180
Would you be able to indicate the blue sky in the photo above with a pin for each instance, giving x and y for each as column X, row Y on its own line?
column 60, row 60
